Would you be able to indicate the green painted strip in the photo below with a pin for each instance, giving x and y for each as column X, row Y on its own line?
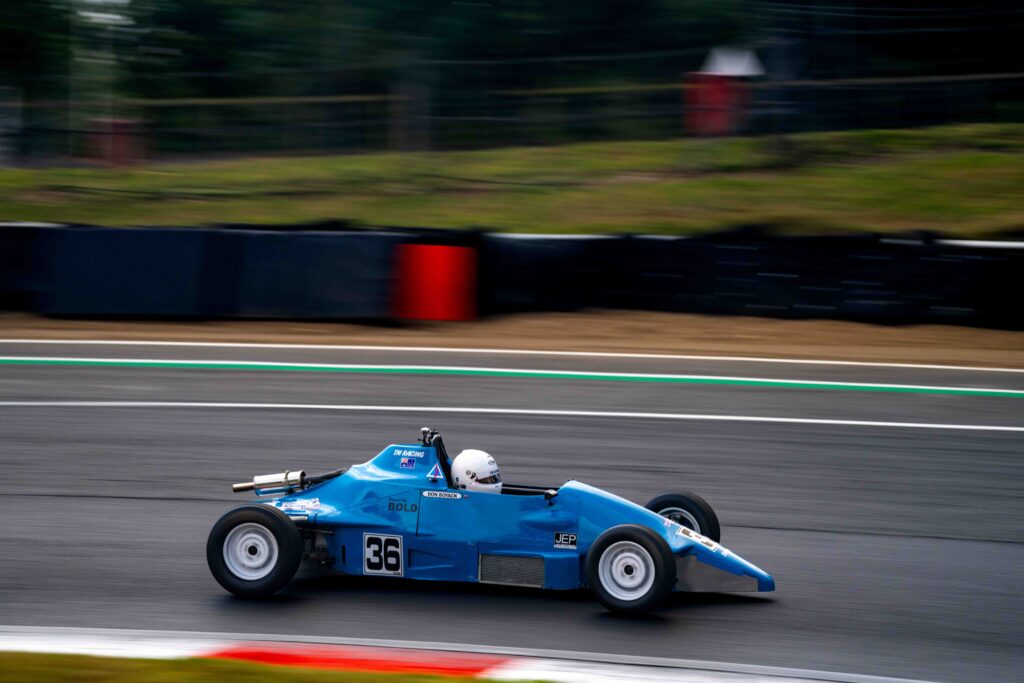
column 512, row 373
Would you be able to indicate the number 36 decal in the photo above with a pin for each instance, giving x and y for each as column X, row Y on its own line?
column 382, row 554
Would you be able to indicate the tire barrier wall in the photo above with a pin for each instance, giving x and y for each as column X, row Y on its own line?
column 82, row 271
column 915, row 279
column 100, row 271
column 316, row 275
column 26, row 251
column 865, row 277
column 333, row 271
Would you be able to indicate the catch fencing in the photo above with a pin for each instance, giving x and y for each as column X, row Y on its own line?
column 459, row 107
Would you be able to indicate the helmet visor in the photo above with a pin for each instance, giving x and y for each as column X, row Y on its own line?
column 493, row 479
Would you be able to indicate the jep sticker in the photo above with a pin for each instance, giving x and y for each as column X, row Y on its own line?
column 565, row 539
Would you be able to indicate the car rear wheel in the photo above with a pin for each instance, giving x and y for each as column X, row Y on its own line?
column 630, row 569
column 254, row 550
column 690, row 510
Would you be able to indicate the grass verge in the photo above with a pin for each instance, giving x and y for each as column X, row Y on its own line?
column 964, row 180
column 17, row 667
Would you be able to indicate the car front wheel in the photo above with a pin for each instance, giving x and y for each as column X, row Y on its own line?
column 254, row 550
column 630, row 569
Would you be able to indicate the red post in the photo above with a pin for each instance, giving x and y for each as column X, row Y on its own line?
column 714, row 104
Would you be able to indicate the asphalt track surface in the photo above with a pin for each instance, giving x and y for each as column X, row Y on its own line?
column 897, row 551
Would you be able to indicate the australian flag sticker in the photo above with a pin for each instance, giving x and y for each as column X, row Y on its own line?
column 407, row 463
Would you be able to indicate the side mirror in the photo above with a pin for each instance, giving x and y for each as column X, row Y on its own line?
column 549, row 496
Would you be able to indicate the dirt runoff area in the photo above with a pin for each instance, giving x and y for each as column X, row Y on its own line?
column 611, row 331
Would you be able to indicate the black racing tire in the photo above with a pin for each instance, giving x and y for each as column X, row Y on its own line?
column 254, row 550
column 619, row 564
column 690, row 510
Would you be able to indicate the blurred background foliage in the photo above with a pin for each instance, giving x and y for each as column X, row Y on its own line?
column 238, row 75
column 163, row 46
column 117, row 81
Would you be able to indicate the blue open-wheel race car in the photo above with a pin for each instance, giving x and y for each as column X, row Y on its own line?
column 412, row 512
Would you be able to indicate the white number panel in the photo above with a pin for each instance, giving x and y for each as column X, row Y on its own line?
column 382, row 554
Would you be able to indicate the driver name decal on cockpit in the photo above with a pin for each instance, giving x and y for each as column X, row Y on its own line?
column 442, row 494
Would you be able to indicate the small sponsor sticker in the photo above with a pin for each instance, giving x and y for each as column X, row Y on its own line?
column 565, row 539
column 305, row 504
column 409, row 453
column 442, row 494
column 407, row 463
column 435, row 472
column 700, row 538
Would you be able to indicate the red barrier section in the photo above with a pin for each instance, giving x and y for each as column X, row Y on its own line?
column 435, row 282
column 381, row 660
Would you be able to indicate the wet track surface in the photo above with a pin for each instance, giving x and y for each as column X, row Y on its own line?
column 897, row 551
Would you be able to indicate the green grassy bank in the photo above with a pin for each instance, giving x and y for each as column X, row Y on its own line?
column 964, row 180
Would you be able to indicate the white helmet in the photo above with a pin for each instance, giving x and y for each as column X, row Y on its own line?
column 476, row 471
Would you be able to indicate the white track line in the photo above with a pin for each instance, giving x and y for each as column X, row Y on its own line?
column 513, row 352
column 504, row 411
column 557, row 374
column 718, row 670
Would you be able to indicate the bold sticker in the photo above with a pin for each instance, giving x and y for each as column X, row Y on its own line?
column 407, row 463
column 435, row 472
column 565, row 539
column 402, row 506
column 382, row 554
column 307, row 504
column 442, row 494
column 409, row 453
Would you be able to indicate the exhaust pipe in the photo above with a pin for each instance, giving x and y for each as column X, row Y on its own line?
column 269, row 484
column 283, row 482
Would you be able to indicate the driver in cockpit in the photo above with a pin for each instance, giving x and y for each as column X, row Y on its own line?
column 475, row 470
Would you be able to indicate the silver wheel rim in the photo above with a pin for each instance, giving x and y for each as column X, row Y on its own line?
column 681, row 516
column 626, row 571
column 250, row 551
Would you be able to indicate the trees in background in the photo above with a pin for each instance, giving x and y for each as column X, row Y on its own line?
column 450, row 57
